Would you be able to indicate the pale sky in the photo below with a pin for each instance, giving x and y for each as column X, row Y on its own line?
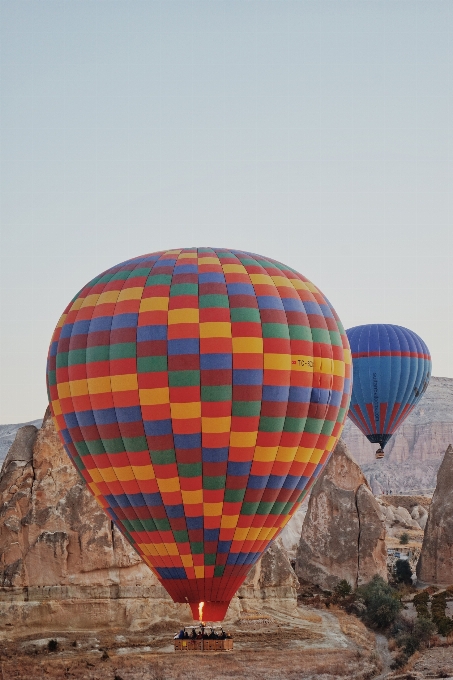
column 315, row 132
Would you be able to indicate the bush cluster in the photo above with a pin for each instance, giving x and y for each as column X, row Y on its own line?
column 421, row 605
column 438, row 607
column 381, row 601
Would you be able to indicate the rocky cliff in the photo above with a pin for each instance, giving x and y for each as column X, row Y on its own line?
column 436, row 558
column 64, row 565
column 343, row 535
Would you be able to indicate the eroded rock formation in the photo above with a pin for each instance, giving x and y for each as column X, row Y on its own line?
column 343, row 535
column 64, row 565
column 436, row 559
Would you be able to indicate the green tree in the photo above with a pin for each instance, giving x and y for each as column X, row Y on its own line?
column 403, row 572
column 343, row 588
column 381, row 601
column 404, row 538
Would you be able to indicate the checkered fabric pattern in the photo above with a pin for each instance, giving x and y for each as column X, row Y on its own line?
column 199, row 392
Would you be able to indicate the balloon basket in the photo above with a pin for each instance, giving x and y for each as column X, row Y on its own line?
column 200, row 640
column 379, row 454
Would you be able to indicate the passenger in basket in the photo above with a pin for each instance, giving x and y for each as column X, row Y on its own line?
column 181, row 634
column 193, row 634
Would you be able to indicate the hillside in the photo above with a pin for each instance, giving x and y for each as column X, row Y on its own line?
column 8, row 433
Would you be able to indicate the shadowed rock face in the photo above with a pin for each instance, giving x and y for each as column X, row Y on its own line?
column 436, row 559
column 343, row 536
column 64, row 565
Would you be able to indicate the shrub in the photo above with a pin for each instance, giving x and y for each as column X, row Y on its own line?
column 52, row 645
column 381, row 601
column 344, row 588
column 421, row 604
column 404, row 538
column 403, row 572
column 419, row 636
column 443, row 622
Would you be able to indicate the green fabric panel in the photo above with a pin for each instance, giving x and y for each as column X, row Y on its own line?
column 135, row 443
column 245, row 314
column 300, row 333
column 214, row 483
column 183, row 378
column 268, row 424
column 82, row 448
column 249, row 508
column 209, row 559
column 52, row 378
column 76, row 356
column 162, row 524
column 264, row 508
column 246, row 408
column 190, row 469
column 218, row 570
column 208, row 301
column 115, row 445
column 234, row 495
column 158, row 280
column 101, row 353
column 163, row 457
column 275, row 330
column 216, row 392
column 321, row 335
column 277, row 508
column 62, row 359
column 80, row 465
column 123, row 350
column 328, row 426
column 294, row 424
column 196, row 548
column 335, row 338
column 96, row 446
column 151, row 364
column 314, row 425
column 140, row 524
column 183, row 289
column 181, row 536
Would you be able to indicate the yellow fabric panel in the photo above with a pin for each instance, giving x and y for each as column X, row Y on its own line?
column 286, row 454
column 261, row 279
column 96, row 475
column 212, row 425
column 90, row 300
column 215, row 329
column 311, row 287
column 253, row 533
column 298, row 284
column 325, row 365
column 264, row 533
column 208, row 260
column 234, row 269
column 186, row 410
column 62, row 320
column 243, row 439
column 56, row 406
column 78, row 387
column 161, row 549
column 94, row 488
column 108, row 297
column 303, row 455
column 172, row 548
column 316, row 455
column 99, row 385
column 347, row 356
column 228, row 521
column 183, row 256
column 187, row 315
column 167, row 485
column 108, row 474
column 123, row 383
column 154, row 304
column 124, row 474
column 131, row 293
column 192, row 497
column 277, row 362
column 265, row 454
column 158, row 395
column 247, row 345
column 212, row 509
column 64, row 391
column 199, row 572
column 282, row 281
column 240, row 534
column 76, row 305
column 186, row 560
column 302, row 362
column 143, row 471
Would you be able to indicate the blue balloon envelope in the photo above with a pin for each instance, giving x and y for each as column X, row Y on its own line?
column 391, row 371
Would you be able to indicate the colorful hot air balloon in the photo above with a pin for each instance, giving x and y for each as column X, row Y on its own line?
column 392, row 367
column 199, row 392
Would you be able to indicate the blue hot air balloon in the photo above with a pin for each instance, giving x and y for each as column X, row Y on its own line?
column 391, row 371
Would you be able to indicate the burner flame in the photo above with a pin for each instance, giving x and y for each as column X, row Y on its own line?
column 200, row 611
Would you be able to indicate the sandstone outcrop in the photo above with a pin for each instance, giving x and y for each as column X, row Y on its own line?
column 64, row 565
column 343, row 535
column 436, row 559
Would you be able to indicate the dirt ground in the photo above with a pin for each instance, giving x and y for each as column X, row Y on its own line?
column 313, row 645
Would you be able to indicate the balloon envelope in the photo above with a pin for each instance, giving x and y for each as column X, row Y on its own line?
column 199, row 392
column 391, row 369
